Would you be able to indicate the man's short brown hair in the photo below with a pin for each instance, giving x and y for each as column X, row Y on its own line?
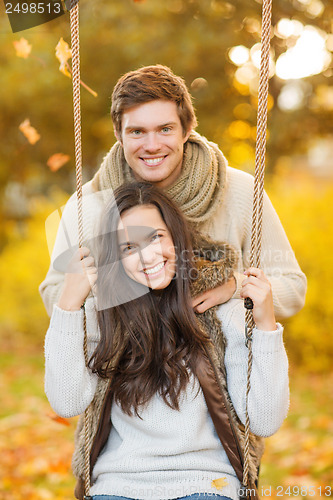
column 148, row 84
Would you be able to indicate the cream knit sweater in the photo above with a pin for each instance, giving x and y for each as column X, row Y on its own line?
column 168, row 453
column 232, row 224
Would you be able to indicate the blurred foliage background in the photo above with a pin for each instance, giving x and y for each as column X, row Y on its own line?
column 213, row 44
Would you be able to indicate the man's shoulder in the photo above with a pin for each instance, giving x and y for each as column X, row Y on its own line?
column 239, row 177
column 87, row 189
column 239, row 187
column 91, row 199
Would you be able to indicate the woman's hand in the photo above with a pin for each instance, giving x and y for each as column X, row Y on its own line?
column 80, row 278
column 257, row 287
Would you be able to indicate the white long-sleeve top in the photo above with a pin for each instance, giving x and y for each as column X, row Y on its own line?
column 231, row 223
column 169, row 453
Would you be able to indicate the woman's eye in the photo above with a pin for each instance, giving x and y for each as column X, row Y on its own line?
column 127, row 249
column 156, row 237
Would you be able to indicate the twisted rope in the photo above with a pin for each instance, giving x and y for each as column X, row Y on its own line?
column 258, row 192
column 75, row 43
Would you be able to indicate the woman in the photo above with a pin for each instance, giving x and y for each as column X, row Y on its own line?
column 154, row 361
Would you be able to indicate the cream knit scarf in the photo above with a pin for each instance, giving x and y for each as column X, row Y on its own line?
column 197, row 191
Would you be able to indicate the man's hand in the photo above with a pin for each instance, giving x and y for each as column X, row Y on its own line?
column 214, row 297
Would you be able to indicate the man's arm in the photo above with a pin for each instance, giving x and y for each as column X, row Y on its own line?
column 66, row 242
column 215, row 296
column 278, row 261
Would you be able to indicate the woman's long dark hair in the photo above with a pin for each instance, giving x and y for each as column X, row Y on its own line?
column 148, row 340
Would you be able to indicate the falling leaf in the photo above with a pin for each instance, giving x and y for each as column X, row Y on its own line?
column 59, row 420
column 220, row 483
column 29, row 132
column 22, row 47
column 63, row 53
column 56, row 161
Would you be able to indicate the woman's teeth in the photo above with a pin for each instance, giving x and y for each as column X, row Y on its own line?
column 155, row 269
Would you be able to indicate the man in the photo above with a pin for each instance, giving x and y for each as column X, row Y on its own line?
column 154, row 124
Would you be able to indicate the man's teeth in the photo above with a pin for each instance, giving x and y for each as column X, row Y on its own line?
column 155, row 269
column 153, row 161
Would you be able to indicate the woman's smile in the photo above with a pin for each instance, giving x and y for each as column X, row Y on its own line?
column 154, row 271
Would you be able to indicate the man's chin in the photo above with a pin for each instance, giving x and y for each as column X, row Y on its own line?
column 157, row 179
column 161, row 176
column 149, row 175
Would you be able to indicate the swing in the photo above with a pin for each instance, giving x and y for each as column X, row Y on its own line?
column 256, row 232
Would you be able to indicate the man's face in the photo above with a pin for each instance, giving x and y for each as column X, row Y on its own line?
column 153, row 141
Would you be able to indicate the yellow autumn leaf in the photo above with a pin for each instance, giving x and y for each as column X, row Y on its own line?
column 56, row 161
column 29, row 132
column 219, row 483
column 63, row 53
column 22, row 48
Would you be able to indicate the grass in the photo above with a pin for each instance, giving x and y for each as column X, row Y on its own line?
column 300, row 455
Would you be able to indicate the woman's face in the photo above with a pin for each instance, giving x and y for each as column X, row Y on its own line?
column 146, row 247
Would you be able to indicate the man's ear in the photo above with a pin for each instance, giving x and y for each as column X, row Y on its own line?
column 188, row 133
column 118, row 136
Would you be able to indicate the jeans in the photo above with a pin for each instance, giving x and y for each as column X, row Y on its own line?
column 195, row 496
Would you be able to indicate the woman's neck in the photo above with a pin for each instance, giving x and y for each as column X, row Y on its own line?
column 158, row 293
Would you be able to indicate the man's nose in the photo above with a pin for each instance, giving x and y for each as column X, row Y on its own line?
column 152, row 143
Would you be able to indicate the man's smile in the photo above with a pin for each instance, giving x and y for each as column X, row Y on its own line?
column 152, row 162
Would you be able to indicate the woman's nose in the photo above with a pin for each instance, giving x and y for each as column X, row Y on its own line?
column 148, row 255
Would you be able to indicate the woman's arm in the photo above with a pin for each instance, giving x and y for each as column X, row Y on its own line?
column 69, row 385
column 269, row 394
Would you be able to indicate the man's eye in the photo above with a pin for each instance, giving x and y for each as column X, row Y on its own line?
column 136, row 132
column 166, row 129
